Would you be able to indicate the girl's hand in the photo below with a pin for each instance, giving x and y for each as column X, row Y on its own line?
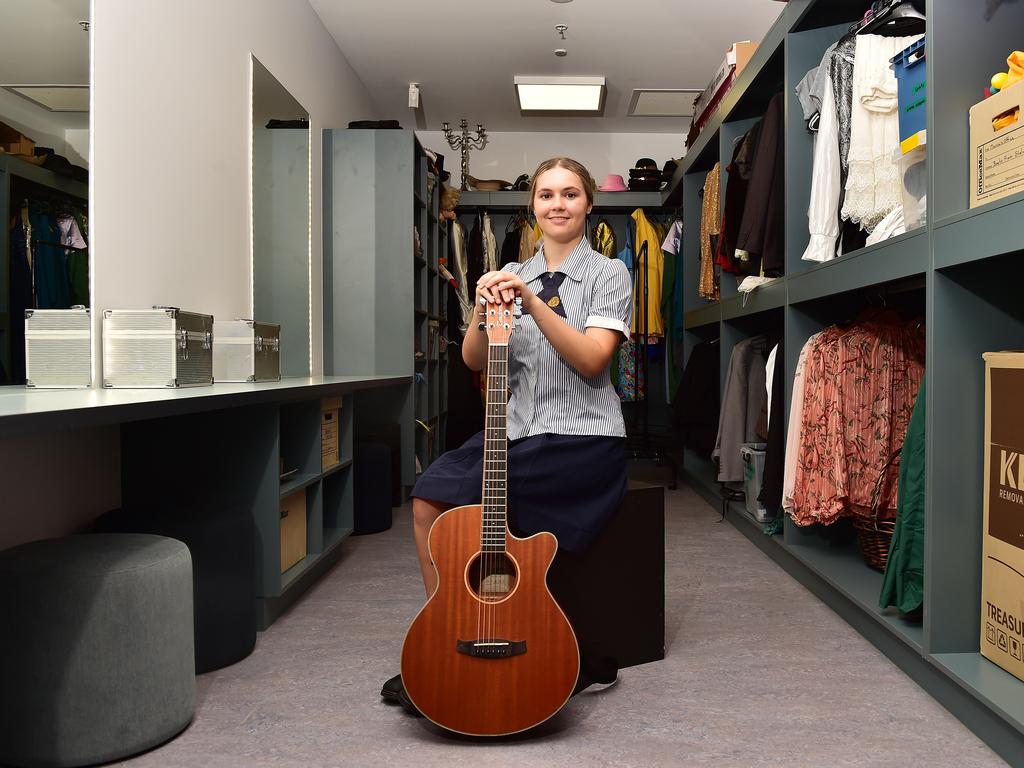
column 498, row 287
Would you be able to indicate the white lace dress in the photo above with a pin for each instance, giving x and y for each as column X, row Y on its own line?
column 873, row 184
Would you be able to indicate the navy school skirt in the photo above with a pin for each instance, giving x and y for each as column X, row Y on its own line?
column 570, row 485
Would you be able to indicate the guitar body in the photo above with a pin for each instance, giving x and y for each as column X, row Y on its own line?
column 491, row 653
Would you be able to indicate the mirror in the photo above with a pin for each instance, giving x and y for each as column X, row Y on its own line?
column 281, row 217
column 44, row 160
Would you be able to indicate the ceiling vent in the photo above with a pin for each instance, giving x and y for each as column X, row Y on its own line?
column 662, row 102
column 54, row 98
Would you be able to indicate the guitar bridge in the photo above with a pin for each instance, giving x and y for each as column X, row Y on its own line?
column 491, row 649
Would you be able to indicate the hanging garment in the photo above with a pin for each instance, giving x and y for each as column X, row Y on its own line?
column 840, row 72
column 671, row 308
column 632, row 385
column 527, row 243
column 810, row 91
column 794, row 433
column 648, row 273
column 76, row 260
column 490, row 246
column 738, row 170
column 696, row 407
column 826, row 185
column 873, row 184
column 759, row 242
column 459, row 261
column 603, row 239
column 903, row 583
column 510, row 245
column 465, row 411
column 21, row 296
column 52, row 290
column 710, row 226
column 775, row 451
column 743, row 405
column 859, row 391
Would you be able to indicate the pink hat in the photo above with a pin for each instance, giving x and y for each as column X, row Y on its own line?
column 613, row 183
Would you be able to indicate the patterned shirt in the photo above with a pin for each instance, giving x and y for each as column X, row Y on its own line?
column 549, row 395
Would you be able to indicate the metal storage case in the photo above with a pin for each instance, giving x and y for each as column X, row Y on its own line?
column 57, row 348
column 246, row 350
column 159, row 347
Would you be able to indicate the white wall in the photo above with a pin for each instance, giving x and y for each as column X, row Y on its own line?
column 170, row 178
column 56, row 483
column 507, row 155
column 169, row 197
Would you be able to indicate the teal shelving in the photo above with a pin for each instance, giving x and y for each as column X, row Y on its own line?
column 958, row 271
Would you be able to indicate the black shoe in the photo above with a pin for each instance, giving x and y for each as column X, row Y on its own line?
column 393, row 692
column 392, row 689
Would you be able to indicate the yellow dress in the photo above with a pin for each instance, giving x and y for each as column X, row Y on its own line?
column 654, row 262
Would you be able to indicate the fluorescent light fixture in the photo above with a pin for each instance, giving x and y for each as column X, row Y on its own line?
column 54, row 98
column 560, row 94
column 662, row 102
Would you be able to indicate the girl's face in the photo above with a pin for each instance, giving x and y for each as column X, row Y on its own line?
column 560, row 205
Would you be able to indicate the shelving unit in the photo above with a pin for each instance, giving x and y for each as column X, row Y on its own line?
column 431, row 302
column 376, row 287
column 958, row 269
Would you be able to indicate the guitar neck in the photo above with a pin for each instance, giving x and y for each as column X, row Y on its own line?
column 495, row 520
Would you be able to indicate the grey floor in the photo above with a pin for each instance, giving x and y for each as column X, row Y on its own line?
column 758, row 672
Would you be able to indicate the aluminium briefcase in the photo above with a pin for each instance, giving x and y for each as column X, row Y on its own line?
column 246, row 350
column 156, row 348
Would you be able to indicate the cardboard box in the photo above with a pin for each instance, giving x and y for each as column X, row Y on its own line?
column 330, row 432
column 739, row 54
column 997, row 145
column 293, row 529
column 1002, row 564
column 14, row 142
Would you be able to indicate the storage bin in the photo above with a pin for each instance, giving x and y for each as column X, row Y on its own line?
column 293, row 529
column 997, row 141
column 246, row 350
column 330, row 432
column 911, row 91
column 58, row 348
column 914, row 173
column 752, row 455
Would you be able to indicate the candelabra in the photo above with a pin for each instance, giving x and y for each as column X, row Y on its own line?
column 464, row 142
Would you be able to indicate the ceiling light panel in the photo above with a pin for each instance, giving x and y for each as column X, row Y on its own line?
column 560, row 94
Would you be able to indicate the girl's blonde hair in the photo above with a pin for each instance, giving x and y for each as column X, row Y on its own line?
column 569, row 164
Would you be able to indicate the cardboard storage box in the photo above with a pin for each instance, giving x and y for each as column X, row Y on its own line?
column 997, row 143
column 1002, row 564
column 330, row 432
column 14, row 142
column 739, row 54
column 293, row 529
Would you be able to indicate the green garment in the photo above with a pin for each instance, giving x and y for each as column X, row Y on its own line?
column 903, row 584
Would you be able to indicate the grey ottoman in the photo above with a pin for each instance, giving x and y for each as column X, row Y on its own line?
column 96, row 650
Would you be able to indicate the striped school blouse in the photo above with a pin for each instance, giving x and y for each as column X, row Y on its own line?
column 547, row 394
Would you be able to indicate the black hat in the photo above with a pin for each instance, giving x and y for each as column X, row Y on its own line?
column 645, row 162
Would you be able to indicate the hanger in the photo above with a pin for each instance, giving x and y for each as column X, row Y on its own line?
column 897, row 20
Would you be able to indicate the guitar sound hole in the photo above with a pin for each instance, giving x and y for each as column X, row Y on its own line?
column 492, row 576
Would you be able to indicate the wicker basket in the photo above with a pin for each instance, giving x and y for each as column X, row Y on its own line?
column 874, row 537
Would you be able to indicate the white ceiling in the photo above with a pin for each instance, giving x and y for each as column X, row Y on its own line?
column 464, row 53
column 41, row 42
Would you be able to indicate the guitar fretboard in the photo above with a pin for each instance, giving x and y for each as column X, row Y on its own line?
column 492, row 533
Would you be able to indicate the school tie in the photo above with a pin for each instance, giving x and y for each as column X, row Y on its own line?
column 549, row 292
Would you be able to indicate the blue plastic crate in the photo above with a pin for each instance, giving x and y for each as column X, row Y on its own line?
column 910, row 87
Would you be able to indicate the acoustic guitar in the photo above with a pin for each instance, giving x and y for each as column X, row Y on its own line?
column 490, row 653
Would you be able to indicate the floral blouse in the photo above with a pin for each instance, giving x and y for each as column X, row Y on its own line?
column 860, row 386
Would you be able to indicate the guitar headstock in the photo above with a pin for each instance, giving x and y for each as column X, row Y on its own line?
column 498, row 321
